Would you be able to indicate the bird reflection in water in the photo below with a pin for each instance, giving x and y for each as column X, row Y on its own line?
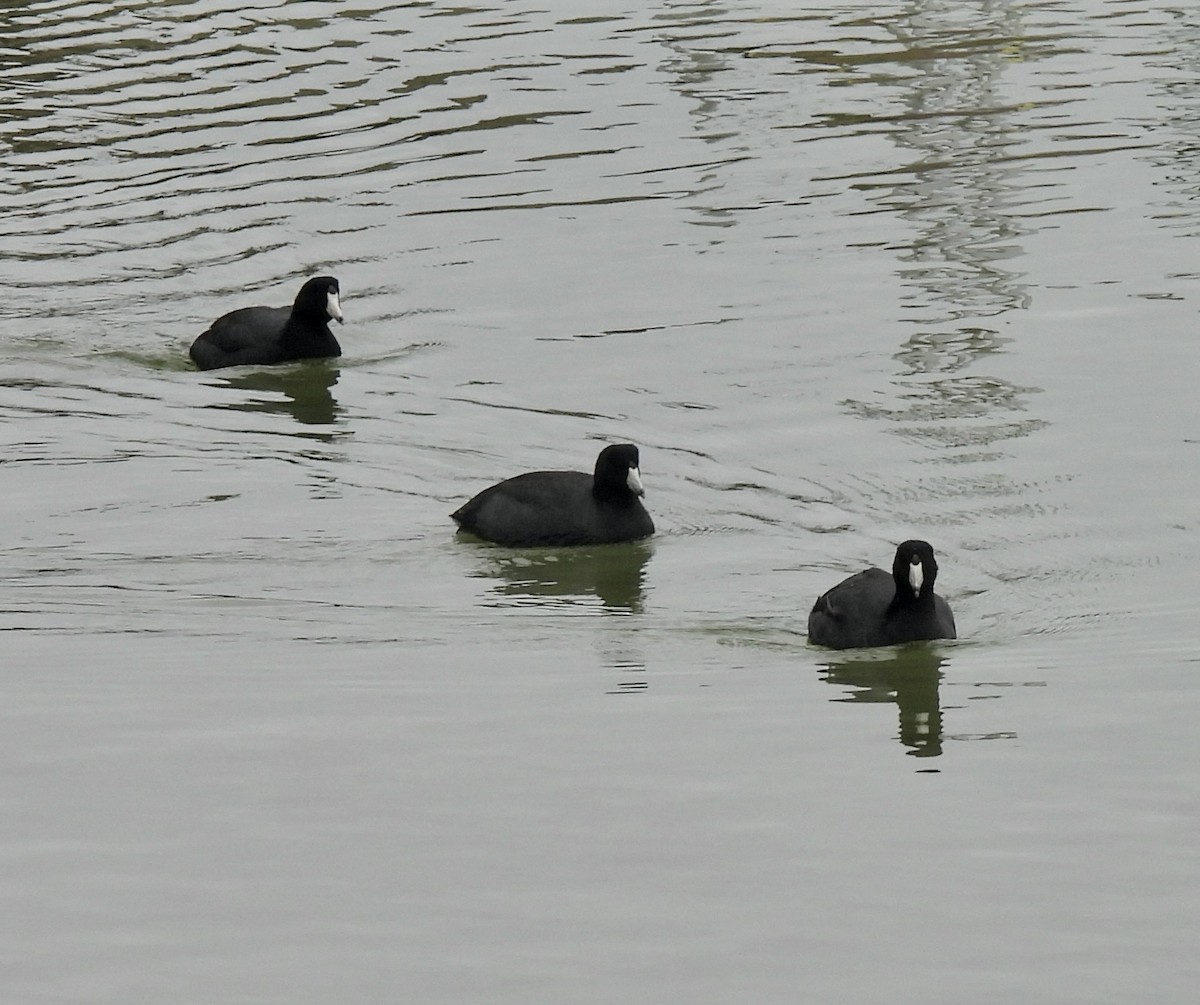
column 613, row 573
column 908, row 676
column 303, row 391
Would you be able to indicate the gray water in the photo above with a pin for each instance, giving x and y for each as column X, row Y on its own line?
column 847, row 274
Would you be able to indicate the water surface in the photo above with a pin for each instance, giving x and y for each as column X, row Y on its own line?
column 846, row 275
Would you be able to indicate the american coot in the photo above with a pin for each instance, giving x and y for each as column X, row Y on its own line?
column 872, row 608
column 268, row 335
column 563, row 507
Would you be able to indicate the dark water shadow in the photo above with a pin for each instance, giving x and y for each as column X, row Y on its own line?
column 909, row 676
column 614, row 574
column 303, row 391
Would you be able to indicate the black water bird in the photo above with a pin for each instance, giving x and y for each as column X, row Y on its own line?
column 551, row 508
column 872, row 608
column 271, row 335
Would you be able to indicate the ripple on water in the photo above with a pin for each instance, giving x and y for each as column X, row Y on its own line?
column 847, row 274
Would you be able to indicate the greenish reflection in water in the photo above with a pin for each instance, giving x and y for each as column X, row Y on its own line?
column 303, row 391
column 909, row 676
column 614, row 574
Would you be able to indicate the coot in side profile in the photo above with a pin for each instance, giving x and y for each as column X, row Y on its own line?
column 872, row 608
column 563, row 507
column 270, row 335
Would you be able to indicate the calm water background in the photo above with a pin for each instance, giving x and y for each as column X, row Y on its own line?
column 847, row 274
